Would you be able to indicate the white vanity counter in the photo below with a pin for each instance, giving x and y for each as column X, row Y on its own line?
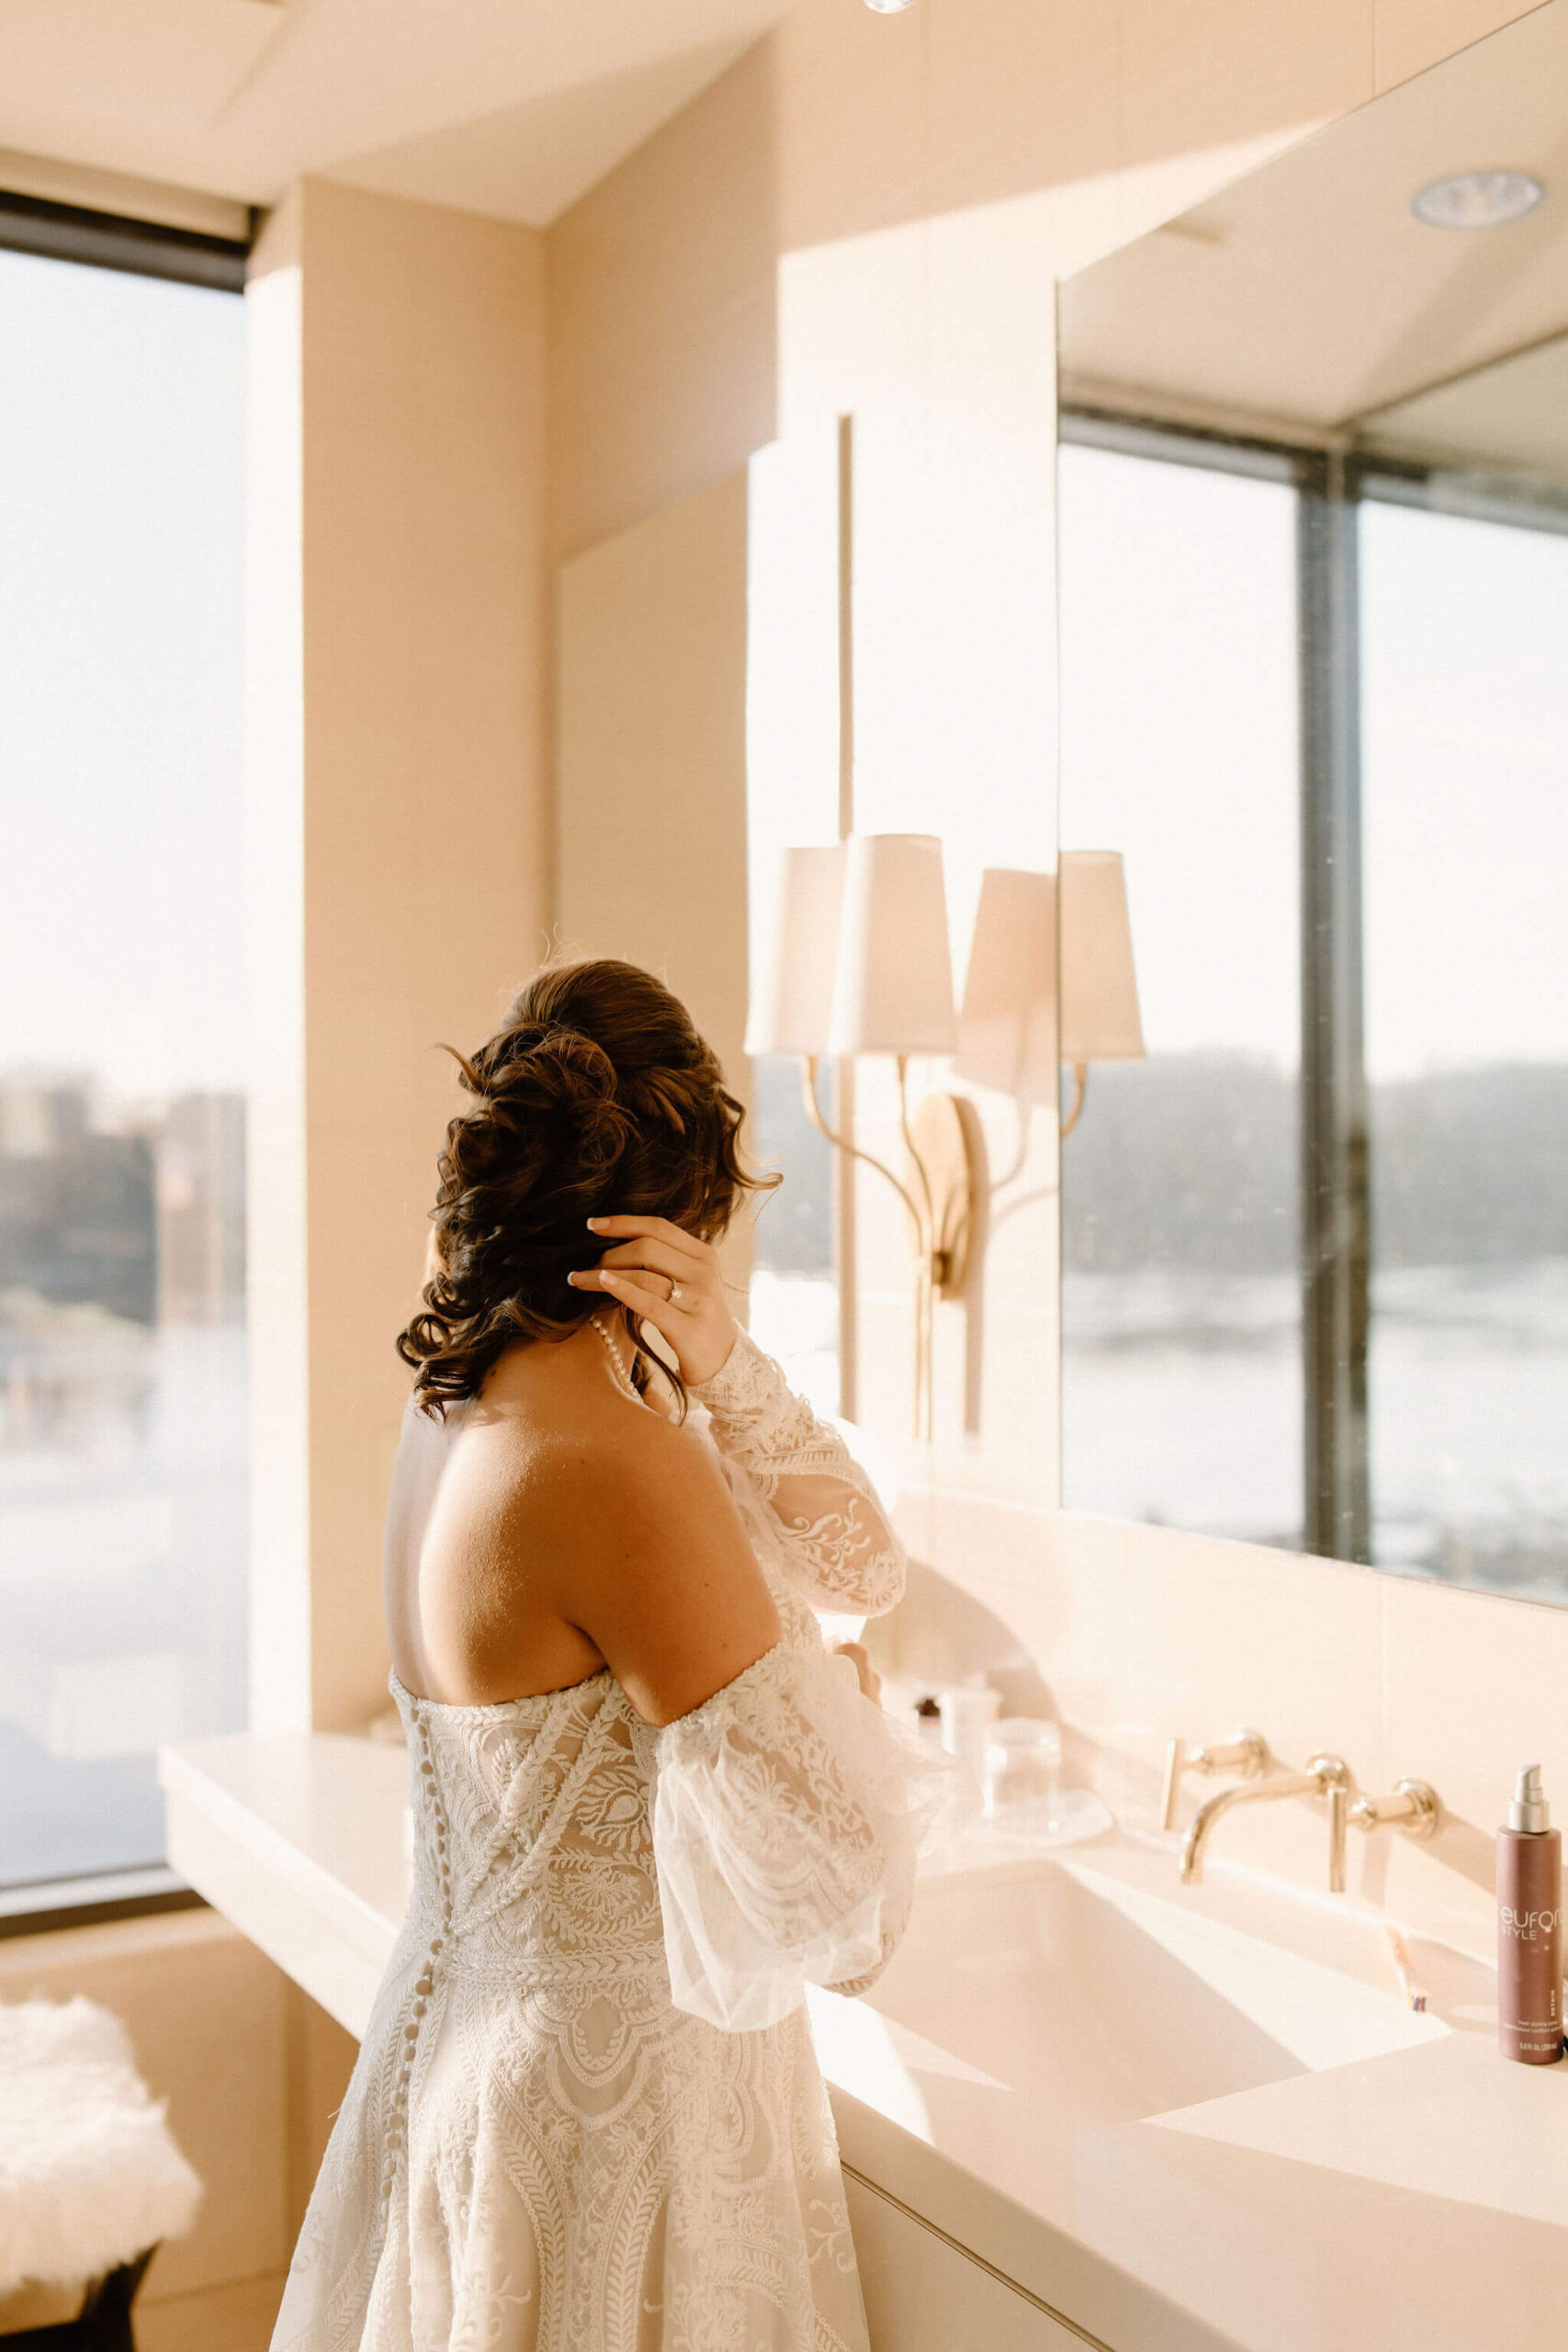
column 1172, row 2118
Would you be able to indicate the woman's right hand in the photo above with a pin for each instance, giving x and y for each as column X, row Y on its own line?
column 671, row 1280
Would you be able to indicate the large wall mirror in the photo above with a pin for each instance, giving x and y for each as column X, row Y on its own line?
column 1314, row 568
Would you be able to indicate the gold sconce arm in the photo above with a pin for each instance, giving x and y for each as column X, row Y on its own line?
column 941, row 1206
column 922, row 1175
column 843, row 1143
column 1068, row 1122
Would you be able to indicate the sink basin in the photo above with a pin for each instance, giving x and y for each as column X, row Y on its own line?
column 1109, row 2001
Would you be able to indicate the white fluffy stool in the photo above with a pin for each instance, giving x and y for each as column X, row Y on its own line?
column 90, row 2177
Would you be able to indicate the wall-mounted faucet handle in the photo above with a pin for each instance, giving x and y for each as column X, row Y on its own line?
column 1413, row 1807
column 1246, row 1753
column 1325, row 1776
column 1333, row 1778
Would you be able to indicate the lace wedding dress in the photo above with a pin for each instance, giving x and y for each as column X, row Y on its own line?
column 586, row 2115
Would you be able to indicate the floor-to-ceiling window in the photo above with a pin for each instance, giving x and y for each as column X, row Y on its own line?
column 1464, row 735
column 1181, row 1297
column 122, row 1061
column 1320, row 706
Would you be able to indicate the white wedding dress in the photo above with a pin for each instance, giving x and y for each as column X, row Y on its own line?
column 586, row 2115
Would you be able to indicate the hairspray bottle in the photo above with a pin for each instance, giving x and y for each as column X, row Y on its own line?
column 1530, row 1928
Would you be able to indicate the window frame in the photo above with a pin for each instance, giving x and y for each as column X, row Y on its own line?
column 40, row 1906
column 72, row 233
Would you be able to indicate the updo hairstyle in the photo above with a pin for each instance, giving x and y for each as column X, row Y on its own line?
column 596, row 1097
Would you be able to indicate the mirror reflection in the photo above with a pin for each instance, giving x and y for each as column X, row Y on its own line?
column 1314, row 557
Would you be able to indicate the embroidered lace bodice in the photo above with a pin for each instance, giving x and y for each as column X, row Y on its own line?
column 586, row 2115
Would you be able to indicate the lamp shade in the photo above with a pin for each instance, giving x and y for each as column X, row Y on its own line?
column 1007, row 1028
column 893, row 992
column 1100, row 987
column 794, row 989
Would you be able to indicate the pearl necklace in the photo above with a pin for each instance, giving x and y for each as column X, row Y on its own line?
column 623, row 1380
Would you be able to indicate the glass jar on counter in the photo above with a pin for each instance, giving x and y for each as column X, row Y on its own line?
column 1023, row 1776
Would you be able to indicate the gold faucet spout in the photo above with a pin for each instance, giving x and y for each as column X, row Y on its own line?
column 1325, row 1776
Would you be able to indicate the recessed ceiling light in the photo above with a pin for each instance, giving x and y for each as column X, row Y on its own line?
column 1477, row 200
column 889, row 7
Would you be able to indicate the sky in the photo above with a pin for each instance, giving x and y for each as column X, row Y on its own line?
column 1179, row 735
column 1180, row 748
column 121, row 817
column 1465, row 786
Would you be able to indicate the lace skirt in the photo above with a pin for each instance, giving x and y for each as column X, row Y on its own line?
column 541, row 2158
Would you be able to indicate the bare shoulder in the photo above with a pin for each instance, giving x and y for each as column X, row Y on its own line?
column 630, row 1473
column 650, row 1558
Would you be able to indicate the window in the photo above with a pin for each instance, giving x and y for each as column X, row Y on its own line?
column 123, row 1071
column 1181, row 1301
column 1316, row 1248
column 1464, row 696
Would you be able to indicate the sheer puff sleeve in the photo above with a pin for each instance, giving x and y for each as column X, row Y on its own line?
column 835, row 1544
column 787, row 1813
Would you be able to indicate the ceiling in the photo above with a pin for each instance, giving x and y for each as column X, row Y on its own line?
column 494, row 105
column 1307, row 295
column 1511, row 416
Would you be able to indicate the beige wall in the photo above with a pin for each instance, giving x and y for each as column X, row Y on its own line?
column 252, row 2071
column 663, row 309
column 399, row 843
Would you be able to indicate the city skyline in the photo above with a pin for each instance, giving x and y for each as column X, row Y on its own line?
column 143, row 1215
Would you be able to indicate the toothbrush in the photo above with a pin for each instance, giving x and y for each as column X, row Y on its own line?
column 1398, row 1951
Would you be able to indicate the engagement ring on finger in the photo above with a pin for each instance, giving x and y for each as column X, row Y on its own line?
column 676, row 1294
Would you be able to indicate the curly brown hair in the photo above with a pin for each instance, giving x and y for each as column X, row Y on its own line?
column 596, row 1096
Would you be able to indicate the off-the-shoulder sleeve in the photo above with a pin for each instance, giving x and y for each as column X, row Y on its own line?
column 836, row 1542
column 787, row 1814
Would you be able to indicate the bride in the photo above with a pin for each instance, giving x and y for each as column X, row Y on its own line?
column 649, row 1807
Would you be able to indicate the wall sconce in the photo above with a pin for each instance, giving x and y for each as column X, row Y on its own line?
column 859, row 964
column 1006, row 1029
column 1041, row 938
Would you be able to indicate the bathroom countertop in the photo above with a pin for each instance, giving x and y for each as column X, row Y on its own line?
column 1412, row 2201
